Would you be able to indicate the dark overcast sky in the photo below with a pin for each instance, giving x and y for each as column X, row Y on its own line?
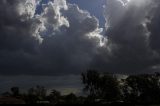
column 60, row 38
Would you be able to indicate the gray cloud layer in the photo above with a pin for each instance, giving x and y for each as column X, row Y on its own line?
column 64, row 39
column 128, row 31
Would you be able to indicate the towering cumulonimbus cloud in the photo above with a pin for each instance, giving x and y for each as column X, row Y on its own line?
column 63, row 39
column 71, row 48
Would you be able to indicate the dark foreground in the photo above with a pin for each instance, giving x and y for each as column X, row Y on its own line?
column 99, row 88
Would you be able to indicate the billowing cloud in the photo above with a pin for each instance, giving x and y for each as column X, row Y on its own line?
column 129, row 36
column 52, row 18
column 18, row 28
column 71, row 49
column 19, row 37
column 63, row 39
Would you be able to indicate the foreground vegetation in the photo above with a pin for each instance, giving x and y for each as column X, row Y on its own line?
column 101, row 88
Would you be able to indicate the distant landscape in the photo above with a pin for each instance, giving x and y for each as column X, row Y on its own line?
column 100, row 88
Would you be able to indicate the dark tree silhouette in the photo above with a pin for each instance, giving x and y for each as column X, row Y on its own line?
column 91, row 82
column 15, row 91
column 101, row 86
column 109, row 87
column 54, row 97
column 36, row 94
column 143, row 88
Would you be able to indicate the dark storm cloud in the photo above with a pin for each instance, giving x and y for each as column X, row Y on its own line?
column 64, row 39
column 129, row 36
column 19, row 37
column 154, row 26
column 51, row 43
column 16, row 31
column 71, row 50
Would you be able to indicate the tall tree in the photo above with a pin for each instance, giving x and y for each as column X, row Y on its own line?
column 36, row 94
column 101, row 86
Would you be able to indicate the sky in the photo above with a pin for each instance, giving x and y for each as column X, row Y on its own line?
column 45, row 39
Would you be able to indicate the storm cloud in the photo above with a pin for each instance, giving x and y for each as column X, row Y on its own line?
column 61, row 40
column 130, row 39
column 64, row 39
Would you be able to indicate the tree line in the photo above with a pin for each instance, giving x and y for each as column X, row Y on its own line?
column 134, row 89
column 100, row 88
